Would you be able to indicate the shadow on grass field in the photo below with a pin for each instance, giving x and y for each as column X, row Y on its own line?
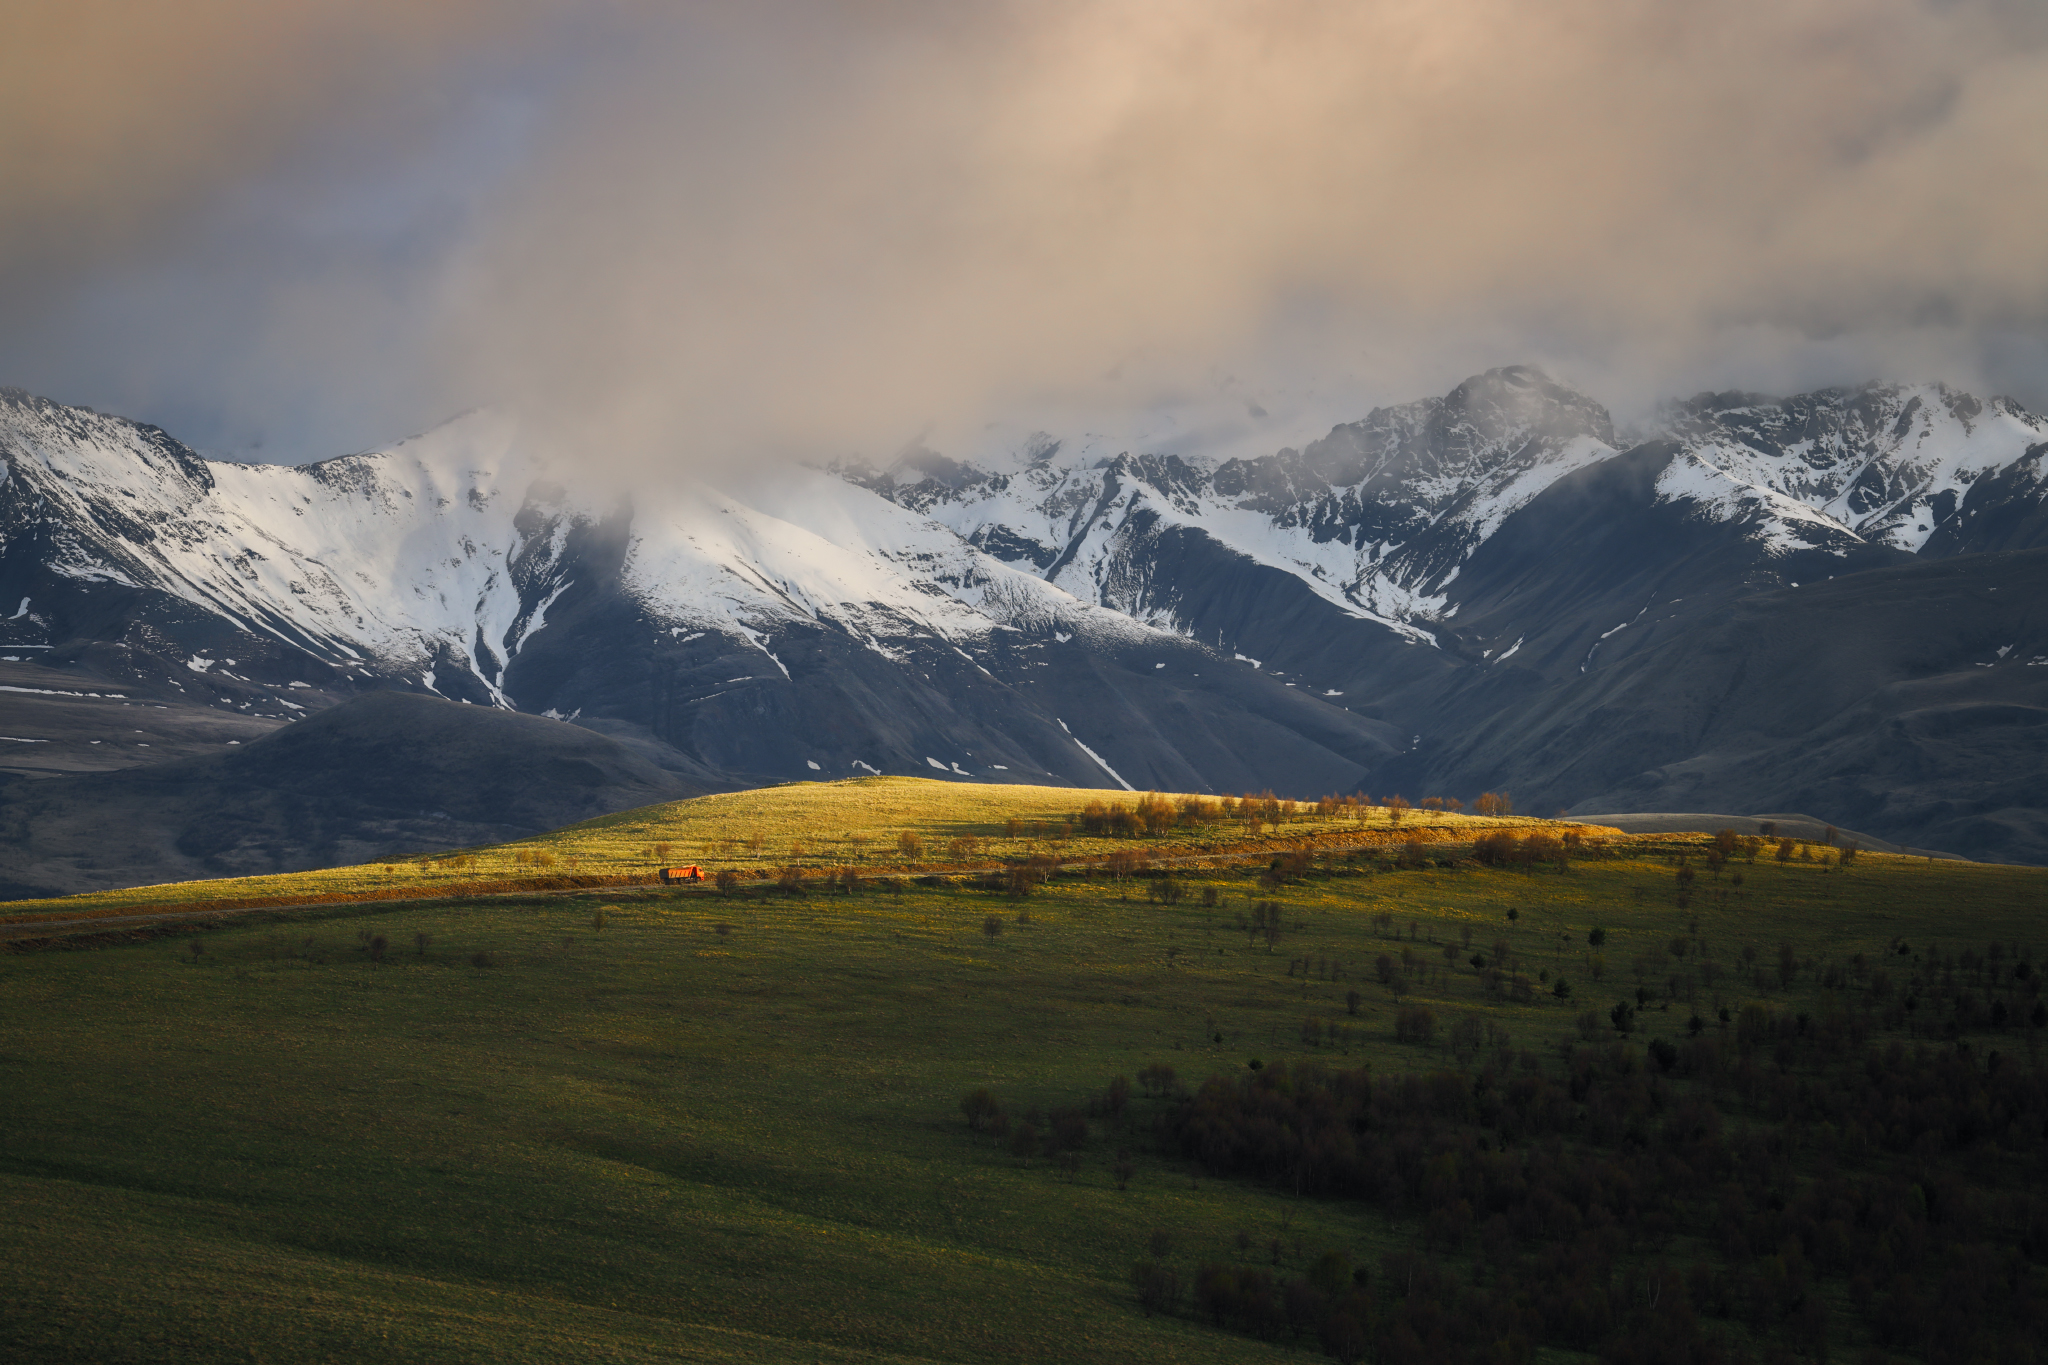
column 729, row 1127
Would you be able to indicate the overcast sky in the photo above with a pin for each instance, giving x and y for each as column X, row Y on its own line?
column 672, row 234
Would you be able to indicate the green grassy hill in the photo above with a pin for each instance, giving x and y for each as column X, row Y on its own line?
column 644, row 1124
column 817, row 827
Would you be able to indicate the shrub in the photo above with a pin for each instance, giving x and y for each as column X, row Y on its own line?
column 992, row 927
column 1416, row 1024
column 1068, row 1129
column 727, row 880
column 1496, row 849
column 1156, row 1079
column 909, row 847
column 981, row 1110
column 1468, row 1035
column 1123, row 862
column 1157, row 1285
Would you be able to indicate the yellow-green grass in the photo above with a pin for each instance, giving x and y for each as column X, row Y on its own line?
column 813, row 825
column 664, row 1141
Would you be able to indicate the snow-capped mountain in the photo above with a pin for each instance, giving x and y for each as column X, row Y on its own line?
column 1890, row 464
column 1376, row 518
column 1380, row 517
column 807, row 627
column 1431, row 597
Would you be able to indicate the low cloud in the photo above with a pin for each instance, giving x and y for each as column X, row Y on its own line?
column 726, row 231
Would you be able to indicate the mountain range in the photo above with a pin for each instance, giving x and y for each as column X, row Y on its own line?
column 1826, row 602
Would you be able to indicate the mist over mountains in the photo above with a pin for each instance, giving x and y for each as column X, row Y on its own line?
column 1827, row 602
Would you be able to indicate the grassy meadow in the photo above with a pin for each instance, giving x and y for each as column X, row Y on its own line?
column 815, row 826
column 640, row 1124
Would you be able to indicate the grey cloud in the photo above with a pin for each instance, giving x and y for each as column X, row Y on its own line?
column 813, row 228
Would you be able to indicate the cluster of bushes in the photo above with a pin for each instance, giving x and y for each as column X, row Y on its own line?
column 1319, row 1032
column 1154, row 815
column 1355, row 806
column 1503, row 848
column 1060, row 1134
column 1610, row 1209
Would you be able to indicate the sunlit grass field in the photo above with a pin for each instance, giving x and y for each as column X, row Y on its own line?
column 816, row 826
column 729, row 1127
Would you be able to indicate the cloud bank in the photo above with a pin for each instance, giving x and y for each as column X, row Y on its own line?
column 705, row 234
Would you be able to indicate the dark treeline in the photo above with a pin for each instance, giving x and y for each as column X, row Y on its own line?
column 1839, row 1204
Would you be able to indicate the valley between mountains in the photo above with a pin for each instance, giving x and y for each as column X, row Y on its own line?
column 1828, row 603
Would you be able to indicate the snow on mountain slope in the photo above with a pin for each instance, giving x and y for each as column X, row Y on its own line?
column 1886, row 462
column 807, row 545
column 1376, row 518
column 1379, row 517
column 453, row 546
column 365, row 559
column 1781, row 524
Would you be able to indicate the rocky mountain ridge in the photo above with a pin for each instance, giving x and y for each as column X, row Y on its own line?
column 1417, row 600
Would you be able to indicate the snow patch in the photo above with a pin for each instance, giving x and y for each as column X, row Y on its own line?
column 60, row 692
column 1782, row 523
column 1100, row 762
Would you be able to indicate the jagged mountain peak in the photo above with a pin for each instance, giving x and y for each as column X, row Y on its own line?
column 1889, row 462
column 1513, row 399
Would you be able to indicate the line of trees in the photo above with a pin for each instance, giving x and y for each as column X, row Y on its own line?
column 1153, row 815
